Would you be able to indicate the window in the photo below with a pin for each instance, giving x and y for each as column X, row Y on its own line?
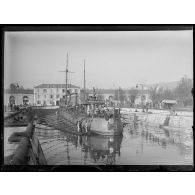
column 37, row 90
column 76, row 90
column 63, row 90
column 143, row 97
column 38, row 102
column 45, row 90
column 45, row 96
column 51, row 96
column 57, row 96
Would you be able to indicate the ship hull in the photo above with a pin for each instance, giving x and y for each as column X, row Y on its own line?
column 89, row 125
column 103, row 127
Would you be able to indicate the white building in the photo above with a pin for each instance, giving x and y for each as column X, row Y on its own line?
column 142, row 96
column 18, row 98
column 50, row 94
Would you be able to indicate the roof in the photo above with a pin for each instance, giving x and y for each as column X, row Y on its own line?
column 56, row 86
column 169, row 101
column 101, row 91
column 19, row 91
column 113, row 91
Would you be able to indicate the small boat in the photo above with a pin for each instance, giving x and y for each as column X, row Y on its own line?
column 16, row 119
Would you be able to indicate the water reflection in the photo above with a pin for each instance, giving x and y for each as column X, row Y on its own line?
column 139, row 145
column 97, row 149
column 102, row 148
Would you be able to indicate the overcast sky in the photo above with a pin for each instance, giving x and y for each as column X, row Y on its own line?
column 113, row 59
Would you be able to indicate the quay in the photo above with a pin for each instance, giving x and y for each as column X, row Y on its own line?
column 28, row 151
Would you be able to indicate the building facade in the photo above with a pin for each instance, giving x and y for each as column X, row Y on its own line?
column 142, row 97
column 50, row 94
column 18, row 99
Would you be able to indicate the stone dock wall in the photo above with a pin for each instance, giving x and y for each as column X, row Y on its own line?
column 163, row 118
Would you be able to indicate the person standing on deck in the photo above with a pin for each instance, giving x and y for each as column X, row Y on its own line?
column 78, row 126
column 86, row 126
column 88, row 111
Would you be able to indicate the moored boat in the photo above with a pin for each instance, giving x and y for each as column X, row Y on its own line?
column 91, row 116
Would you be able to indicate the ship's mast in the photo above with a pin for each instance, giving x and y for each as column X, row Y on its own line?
column 67, row 71
column 84, row 81
column 118, row 97
column 66, row 77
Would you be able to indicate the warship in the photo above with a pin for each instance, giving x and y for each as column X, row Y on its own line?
column 89, row 117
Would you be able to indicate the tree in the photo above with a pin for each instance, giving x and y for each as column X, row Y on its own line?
column 156, row 94
column 13, row 87
column 168, row 94
column 183, row 91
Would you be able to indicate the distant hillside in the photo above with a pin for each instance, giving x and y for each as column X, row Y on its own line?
column 169, row 85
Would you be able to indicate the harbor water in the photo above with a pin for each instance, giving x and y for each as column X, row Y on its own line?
column 9, row 148
column 139, row 145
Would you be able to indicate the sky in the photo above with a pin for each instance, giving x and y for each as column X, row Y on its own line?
column 113, row 58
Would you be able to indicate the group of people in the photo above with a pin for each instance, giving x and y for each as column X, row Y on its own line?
column 83, row 126
column 91, row 110
column 97, row 111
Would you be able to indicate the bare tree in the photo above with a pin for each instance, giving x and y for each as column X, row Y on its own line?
column 183, row 91
column 13, row 87
column 156, row 94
